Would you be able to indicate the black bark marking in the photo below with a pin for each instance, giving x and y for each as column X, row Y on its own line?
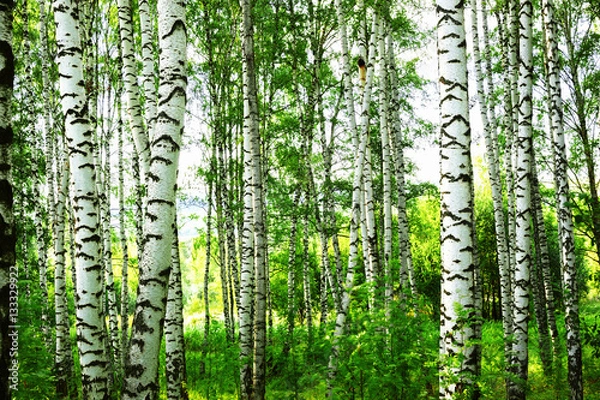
column 178, row 24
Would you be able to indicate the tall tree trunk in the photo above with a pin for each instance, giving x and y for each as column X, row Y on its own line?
column 132, row 105
column 252, row 344
column 407, row 281
column 174, row 339
column 123, row 240
column 111, row 296
column 306, row 278
column 291, row 281
column 130, row 86
column 491, row 143
column 369, row 230
column 206, row 282
column 523, row 171
column 360, row 141
column 384, row 130
column 541, row 282
column 566, row 235
column 506, row 279
column 221, row 235
column 62, row 355
column 141, row 370
column 90, row 321
column 149, row 67
column 458, row 307
column 8, row 268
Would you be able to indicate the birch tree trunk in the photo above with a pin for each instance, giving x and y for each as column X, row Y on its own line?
column 523, row 170
column 541, row 282
column 459, row 359
column 506, row 280
column 207, row 267
column 123, row 240
column 361, row 147
column 141, row 370
column 565, row 218
column 491, row 144
column 384, row 110
column 111, row 296
column 90, row 321
column 216, row 163
column 62, row 355
column 306, row 277
column 368, row 228
column 252, row 347
column 370, row 242
column 174, row 342
column 130, row 86
column 148, row 41
column 291, row 280
column 54, row 204
column 8, row 268
column 407, row 281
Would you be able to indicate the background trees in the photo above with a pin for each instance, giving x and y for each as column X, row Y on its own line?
column 301, row 231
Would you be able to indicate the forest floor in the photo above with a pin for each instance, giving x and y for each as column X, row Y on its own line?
column 212, row 366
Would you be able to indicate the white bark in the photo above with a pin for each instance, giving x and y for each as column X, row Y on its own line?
column 90, row 322
column 252, row 344
column 141, row 370
column 174, row 341
column 459, row 359
column 63, row 344
column 491, row 144
column 565, row 217
column 130, row 74
column 407, row 280
column 148, row 41
column 340, row 322
column 124, row 312
column 384, row 130
column 306, row 276
column 505, row 274
column 291, row 279
column 523, row 170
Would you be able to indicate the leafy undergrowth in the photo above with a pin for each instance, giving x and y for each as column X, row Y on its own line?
column 377, row 360
column 398, row 361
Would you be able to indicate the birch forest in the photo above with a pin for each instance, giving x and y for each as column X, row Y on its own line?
column 299, row 199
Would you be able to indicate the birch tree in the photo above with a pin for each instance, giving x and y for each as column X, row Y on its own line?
column 566, row 234
column 124, row 312
column 523, row 170
column 484, row 81
column 506, row 279
column 384, row 105
column 141, row 370
column 130, row 86
column 63, row 340
column 407, row 280
column 459, row 359
column 90, row 320
column 360, row 142
column 174, row 345
column 252, row 344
